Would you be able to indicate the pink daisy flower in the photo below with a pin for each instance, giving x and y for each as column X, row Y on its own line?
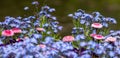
column 7, row 33
column 97, row 25
column 92, row 35
column 17, row 30
column 110, row 39
column 98, row 37
column 68, row 38
column 40, row 29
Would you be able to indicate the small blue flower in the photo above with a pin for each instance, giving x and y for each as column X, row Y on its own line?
column 60, row 27
column 19, row 17
column 21, row 51
column 27, row 56
column 46, row 25
column 39, row 55
column 26, row 8
column 111, row 53
column 54, row 18
column 45, row 7
column 109, row 47
column 86, row 52
column 98, row 51
column 74, row 30
column 82, row 44
column 51, row 10
column 48, row 15
column 33, row 40
column 96, row 13
column 82, row 21
column 96, row 19
column 112, row 20
column 105, row 24
column 70, row 15
column 80, row 36
column 87, row 17
column 118, row 50
column 37, row 36
column 55, row 31
column 49, row 40
column 24, row 31
column 87, row 23
column 80, row 10
column 116, row 57
column 92, row 44
column 81, row 30
column 54, row 52
column 8, row 19
column 48, row 32
column 105, row 44
column 71, row 54
column 116, row 43
column 35, row 3
column 57, row 44
column 111, row 31
column 78, row 14
column 75, row 17
column 65, row 47
column 86, row 56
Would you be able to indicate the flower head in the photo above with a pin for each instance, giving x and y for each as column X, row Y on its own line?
column 17, row 30
column 97, row 25
column 92, row 35
column 110, row 39
column 26, row 8
column 68, row 38
column 35, row 3
column 40, row 29
column 98, row 37
column 7, row 33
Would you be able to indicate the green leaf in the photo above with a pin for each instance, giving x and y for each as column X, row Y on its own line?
column 75, row 44
column 87, row 32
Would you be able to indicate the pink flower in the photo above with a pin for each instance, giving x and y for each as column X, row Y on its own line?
column 17, row 30
column 97, row 25
column 92, row 35
column 98, row 37
column 40, row 29
column 110, row 39
column 7, row 33
column 68, row 38
column 42, row 45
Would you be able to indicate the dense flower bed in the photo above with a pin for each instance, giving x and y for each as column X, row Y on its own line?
column 37, row 36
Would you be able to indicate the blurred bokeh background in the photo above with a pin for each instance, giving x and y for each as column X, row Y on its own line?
column 108, row 8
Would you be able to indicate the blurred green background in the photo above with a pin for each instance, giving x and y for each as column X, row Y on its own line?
column 108, row 8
